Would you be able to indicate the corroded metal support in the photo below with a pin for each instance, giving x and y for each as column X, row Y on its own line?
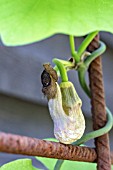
column 98, row 109
column 35, row 147
column 17, row 144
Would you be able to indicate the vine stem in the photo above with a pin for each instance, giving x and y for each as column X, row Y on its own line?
column 95, row 54
column 67, row 64
column 86, row 42
column 73, row 51
column 84, row 67
column 77, row 54
column 62, row 70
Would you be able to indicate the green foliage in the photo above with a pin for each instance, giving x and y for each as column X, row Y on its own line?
column 20, row 164
column 26, row 164
column 27, row 21
column 50, row 163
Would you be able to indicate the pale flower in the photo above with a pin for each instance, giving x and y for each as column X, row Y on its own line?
column 65, row 110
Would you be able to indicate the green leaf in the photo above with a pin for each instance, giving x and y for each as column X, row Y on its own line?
column 27, row 21
column 49, row 163
column 79, row 165
column 20, row 164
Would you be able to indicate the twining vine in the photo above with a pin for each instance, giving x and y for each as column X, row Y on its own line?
column 81, row 59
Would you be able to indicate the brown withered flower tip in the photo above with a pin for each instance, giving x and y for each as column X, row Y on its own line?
column 49, row 78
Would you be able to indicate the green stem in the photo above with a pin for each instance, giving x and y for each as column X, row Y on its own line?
column 66, row 63
column 84, row 66
column 58, row 164
column 86, row 42
column 72, row 46
column 95, row 54
column 81, row 76
column 72, row 43
column 62, row 69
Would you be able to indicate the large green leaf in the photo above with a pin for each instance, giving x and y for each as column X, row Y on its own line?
column 20, row 164
column 26, row 21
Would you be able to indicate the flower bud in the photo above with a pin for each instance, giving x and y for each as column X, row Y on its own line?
column 64, row 106
column 65, row 110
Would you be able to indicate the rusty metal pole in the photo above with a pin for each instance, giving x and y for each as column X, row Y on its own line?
column 24, row 145
column 98, row 109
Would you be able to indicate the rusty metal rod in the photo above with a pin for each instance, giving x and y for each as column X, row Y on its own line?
column 17, row 144
column 98, row 109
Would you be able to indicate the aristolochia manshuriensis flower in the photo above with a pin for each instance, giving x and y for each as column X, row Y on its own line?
column 64, row 106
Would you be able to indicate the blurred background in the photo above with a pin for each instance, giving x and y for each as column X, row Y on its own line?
column 23, row 108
